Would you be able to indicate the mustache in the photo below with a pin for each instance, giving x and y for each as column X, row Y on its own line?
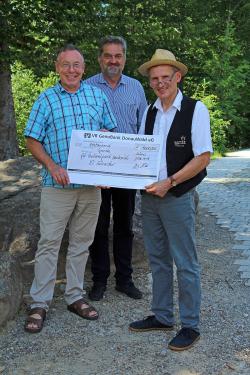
column 113, row 64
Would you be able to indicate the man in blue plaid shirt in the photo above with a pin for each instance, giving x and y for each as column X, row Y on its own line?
column 70, row 104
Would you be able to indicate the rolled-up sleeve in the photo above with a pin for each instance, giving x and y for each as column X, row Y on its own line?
column 35, row 127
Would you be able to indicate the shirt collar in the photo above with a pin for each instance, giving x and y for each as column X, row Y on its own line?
column 62, row 89
column 122, row 80
column 176, row 103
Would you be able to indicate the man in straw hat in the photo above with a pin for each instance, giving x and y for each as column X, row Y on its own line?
column 168, row 208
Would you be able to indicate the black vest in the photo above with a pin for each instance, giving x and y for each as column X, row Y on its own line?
column 179, row 143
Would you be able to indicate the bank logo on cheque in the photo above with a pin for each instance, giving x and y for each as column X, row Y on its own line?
column 87, row 135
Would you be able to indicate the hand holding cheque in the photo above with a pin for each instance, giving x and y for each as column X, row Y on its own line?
column 114, row 159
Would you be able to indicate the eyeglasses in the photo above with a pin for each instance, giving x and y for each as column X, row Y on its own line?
column 75, row 66
column 163, row 81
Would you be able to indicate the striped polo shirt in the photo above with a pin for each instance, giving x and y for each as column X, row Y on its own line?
column 57, row 112
column 127, row 101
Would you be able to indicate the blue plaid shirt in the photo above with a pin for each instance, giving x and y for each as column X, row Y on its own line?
column 57, row 112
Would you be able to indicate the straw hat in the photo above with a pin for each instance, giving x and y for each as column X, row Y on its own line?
column 162, row 57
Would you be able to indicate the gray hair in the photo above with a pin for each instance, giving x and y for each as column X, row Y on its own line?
column 69, row 47
column 112, row 40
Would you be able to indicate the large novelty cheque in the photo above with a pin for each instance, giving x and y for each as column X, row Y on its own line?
column 114, row 159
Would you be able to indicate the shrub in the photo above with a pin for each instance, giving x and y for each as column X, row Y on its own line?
column 26, row 87
column 219, row 125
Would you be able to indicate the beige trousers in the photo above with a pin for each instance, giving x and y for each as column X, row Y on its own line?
column 79, row 208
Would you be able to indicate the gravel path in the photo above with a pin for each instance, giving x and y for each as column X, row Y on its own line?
column 71, row 345
column 226, row 194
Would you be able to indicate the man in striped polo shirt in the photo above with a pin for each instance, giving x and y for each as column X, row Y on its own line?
column 70, row 104
column 127, row 99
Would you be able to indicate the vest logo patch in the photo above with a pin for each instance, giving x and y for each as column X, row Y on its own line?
column 181, row 143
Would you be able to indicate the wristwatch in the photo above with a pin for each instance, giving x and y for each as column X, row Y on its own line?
column 172, row 181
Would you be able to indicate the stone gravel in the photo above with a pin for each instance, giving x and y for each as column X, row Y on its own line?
column 71, row 345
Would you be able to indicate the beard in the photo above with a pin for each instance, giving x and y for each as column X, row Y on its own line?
column 113, row 70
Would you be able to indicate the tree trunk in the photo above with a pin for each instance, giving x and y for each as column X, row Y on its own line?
column 8, row 135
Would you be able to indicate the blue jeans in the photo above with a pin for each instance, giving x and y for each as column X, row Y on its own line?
column 169, row 236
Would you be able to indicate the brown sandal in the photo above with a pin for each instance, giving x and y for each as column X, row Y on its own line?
column 38, row 322
column 84, row 313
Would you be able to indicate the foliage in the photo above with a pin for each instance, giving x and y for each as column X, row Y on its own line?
column 212, row 40
column 34, row 30
column 218, row 123
column 26, row 88
column 207, row 39
column 228, row 79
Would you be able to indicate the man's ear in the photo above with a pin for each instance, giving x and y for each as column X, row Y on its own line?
column 178, row 77
column 56, row 66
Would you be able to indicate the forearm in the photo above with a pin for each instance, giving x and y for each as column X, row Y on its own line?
column 192, row 168
column 58, row 173
column 37, row 150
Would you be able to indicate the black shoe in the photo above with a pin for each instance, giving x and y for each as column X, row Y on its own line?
column 97, row 292
column 130, row 290
column 184, row 339
column 149, row 324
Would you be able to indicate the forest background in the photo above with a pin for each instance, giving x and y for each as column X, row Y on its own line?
column 211, row 37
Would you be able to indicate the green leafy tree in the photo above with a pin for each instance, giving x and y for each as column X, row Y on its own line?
column 31, row 32
column 213, row 41
column 229, row 79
